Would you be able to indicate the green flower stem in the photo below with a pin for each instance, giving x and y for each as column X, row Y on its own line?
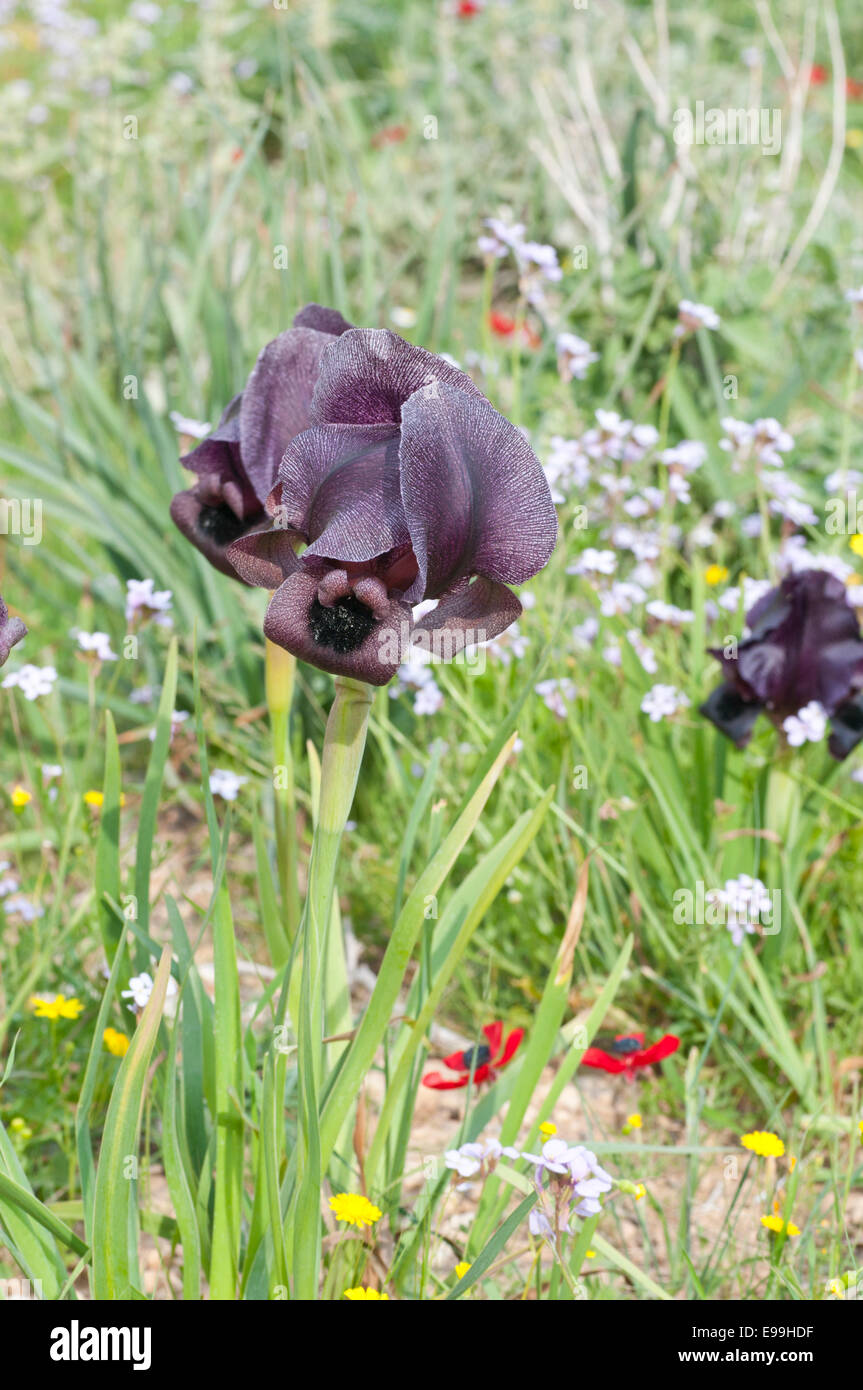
column 668, row 502
column 400, row 948
column 782, row 817
column 665, row 407
column 344, row 743
column 782, row 806
column 280, row 674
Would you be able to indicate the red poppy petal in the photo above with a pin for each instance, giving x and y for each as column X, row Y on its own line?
column 494, row 1037
column 436, row 1082
column 603, row 1061
column 513, row 1043
column 657, row 1051
column 455, row 1061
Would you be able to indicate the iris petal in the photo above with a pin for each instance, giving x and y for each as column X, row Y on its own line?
column 369, row 373
column 475, row 613
column 369, row 650
column 846, row 728
column 276, row 403
column 265, row 558
column 805, row 644
column 340, row 488
column 474, row 493
column 732, row 715
column 322, row 320
column 219, row 454
column 11, row 631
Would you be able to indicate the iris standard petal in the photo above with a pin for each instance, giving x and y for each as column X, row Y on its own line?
column 805, row 644
column 340, row 488
column 475, row 496
column 219, row 453
column 360, row 634
column 322, row 320
column 369, row 373
column 276, row 403
column 11, row 631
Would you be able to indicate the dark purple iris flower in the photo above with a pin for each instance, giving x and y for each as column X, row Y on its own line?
column 238, row 463
column 11, row 631
column 804, row 645
column 408, row 485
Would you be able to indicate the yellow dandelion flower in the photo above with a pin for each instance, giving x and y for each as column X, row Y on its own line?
column 777, row 1225
column 96, row 799
column 20, row 797
column 634, row 1121
column 590, row 1254
column 58, row 1007
column 715, row 574
column 763, row 1143
column 355, row 1209
column 860, row 1127
column 548, row 1129
column 461, row 1269
column 368, row 1295
column 856, row 544
column 116, row 1042
column 640, row 1191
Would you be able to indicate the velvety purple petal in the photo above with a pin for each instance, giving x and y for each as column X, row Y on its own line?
column 277, row 401
column 361, row 634
column 731, row 713
column 805, row 645
column 369, row 373
column 846, row 728
column 475, row 613
column 265, row 558
column 475, row 497
column 223, row 504
column 340, row 488
column 11, row 631
column 210, row 526
column 219, row 453
column 322, row 320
